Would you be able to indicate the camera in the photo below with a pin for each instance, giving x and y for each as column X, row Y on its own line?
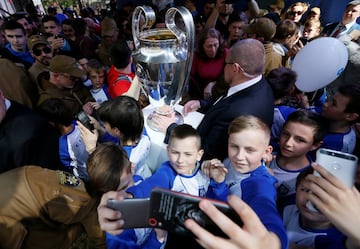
column 85, row 120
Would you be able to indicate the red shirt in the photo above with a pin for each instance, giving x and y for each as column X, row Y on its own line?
column 119, row 83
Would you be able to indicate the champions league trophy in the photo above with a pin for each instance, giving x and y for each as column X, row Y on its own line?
column 163, row 57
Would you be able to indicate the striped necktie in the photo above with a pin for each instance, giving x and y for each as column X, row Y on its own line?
column 339, row 30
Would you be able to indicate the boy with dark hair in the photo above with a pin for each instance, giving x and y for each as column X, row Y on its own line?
column 282, row 82
column 72, row 151
column 58, row 42
column 182, row 172
column 306, row 228
column 16, row 50
column 342, row 110
column 302, row 133
column 124, row 124
column 120, row 74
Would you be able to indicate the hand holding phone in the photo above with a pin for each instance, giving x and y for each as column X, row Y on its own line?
column 134, row 212
column 341, row 165
column 169, row 210
column 85, row 120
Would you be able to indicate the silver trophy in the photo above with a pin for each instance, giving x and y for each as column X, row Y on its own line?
column 163, row 57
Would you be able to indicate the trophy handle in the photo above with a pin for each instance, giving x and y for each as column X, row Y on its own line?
column 185, row 39
column 141, row 22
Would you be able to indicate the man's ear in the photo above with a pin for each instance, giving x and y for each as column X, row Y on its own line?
column 56, row 75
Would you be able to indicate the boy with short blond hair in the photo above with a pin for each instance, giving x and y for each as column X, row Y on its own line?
column 244, row 174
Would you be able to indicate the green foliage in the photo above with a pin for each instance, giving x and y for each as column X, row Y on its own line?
column 60, row 3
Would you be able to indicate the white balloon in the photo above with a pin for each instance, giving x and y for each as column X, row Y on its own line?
column 319, row 62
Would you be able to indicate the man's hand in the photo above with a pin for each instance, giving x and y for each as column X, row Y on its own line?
column 88, row 108
column 208, row 90
column 191, row 106
column 162, row 122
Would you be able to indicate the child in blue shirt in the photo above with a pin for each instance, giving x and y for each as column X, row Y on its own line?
column 282, row 82
column 342, row 110
column 306, row 228
column 72, row 151
column 244, row 175
column 123, row 124
column 97, row 75
column 181, row 173
column 302, row 133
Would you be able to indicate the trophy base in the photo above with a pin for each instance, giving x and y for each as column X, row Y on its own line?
column 179, row 119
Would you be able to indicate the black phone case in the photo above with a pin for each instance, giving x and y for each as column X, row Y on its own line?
column 169, row 210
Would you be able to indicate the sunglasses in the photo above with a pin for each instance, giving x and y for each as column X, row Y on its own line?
column 73, row 78
column 46, row 50
column 293, row 13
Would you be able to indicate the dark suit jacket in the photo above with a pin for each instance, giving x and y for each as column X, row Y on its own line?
column 255, row 100
column 27, row 139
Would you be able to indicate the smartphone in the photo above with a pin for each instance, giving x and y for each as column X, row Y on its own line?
column 169, row 210
column 59, row 36
column 340, row 164
column 85, row 120
column 134, row 212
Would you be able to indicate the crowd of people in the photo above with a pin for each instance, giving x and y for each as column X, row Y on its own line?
column 72, row 131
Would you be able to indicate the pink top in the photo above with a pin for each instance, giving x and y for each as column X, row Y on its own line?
column 204, row 72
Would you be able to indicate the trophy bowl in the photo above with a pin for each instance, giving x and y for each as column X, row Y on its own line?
column 163, row 57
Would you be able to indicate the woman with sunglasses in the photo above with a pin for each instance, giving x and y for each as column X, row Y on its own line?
column 296, row 11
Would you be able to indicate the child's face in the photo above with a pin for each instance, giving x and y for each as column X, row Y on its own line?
column 296, row 140
column 246, row 149
column 313, row 219
column 310, row 32
column 334, row 107
column 97, row 78
column 235, row 31
column 16, row 38
column 183, row 154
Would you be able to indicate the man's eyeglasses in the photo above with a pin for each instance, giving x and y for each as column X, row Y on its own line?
column 46, row 50
column 244, row 72
column 73, row 78
column 293, row 13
